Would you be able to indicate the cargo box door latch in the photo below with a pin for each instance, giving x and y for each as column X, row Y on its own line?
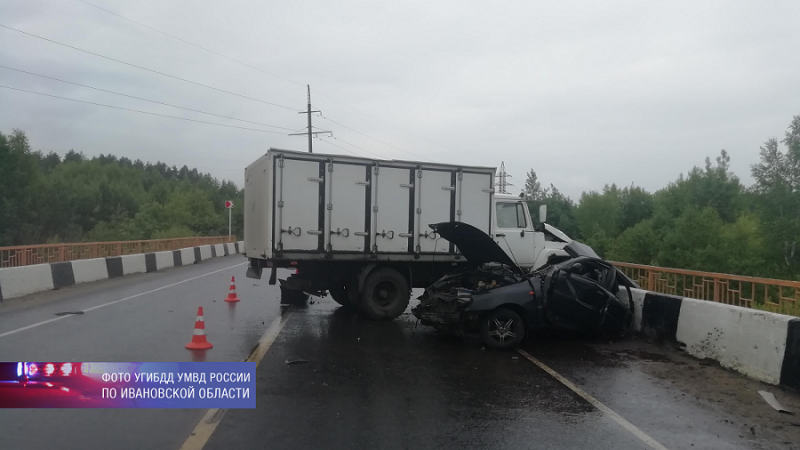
column 296, row 231
column 344, row 232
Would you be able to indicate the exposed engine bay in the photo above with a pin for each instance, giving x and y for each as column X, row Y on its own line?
column 457, row 288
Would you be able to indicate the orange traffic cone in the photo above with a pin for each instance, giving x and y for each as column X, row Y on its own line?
column 199, row 341
column 232, row 292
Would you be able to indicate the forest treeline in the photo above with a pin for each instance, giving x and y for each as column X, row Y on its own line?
column 49, row 199
column 705, row 220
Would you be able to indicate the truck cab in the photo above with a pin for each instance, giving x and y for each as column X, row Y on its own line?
column 514, row 232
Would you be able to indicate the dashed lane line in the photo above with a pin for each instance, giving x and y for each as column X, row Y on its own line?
column 203, row 431
column 45, row 322
column 596, row 403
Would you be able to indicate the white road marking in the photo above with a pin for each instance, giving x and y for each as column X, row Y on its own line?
column 203, row 431
column 45, row 322
column 605, row 409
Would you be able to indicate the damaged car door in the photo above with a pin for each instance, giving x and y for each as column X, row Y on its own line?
column 581, row 295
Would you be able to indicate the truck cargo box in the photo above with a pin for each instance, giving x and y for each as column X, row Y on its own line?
column 316, row 206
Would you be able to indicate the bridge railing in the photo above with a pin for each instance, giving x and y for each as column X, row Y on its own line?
column 49, row 253
column 763, row 293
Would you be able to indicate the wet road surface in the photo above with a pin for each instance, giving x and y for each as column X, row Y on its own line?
column 373, row 384
column 151, row 327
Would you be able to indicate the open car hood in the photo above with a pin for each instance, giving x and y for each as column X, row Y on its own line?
column 474, row 244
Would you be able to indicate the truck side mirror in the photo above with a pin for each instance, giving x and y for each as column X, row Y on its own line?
column 542, row 213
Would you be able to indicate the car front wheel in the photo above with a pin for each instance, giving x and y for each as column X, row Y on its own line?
column 502, row 329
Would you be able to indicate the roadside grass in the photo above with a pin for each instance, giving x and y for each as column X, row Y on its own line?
column 788, row 308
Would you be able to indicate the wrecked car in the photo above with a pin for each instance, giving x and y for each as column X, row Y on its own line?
column 501, row 302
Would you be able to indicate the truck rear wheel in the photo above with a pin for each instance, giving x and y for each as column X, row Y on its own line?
column 385, row 294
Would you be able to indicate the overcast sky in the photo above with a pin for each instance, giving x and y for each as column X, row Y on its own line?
column 586, row 93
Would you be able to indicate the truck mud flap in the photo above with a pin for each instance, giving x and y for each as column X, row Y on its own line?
column 255, row 272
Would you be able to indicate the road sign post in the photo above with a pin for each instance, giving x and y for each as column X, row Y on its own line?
column 229, row 205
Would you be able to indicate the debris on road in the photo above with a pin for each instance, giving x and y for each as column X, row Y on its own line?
column 296, row 361
column 66, row 313
column 769, row 397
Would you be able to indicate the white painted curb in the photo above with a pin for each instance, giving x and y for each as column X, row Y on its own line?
column 87, row 270
column 165, row 260
column 187, row 256
column 205, row 252
column 19, row 281
column 746, row 340
column 133, row 264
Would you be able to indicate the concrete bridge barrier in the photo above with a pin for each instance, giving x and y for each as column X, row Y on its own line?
column 25, row 280
column 760, row 344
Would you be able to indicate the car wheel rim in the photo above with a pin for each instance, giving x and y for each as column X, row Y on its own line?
column 501, row 330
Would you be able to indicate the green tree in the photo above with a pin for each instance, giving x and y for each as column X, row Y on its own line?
column 599, row 217
column 50, row 199
column 637, row 244
column 693, row 241
column 777, row 183
column 533, row 188
column 20, row 186
column 636, row 206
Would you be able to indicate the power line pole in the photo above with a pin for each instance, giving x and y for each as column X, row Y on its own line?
column 502, row 179
column 310, row 131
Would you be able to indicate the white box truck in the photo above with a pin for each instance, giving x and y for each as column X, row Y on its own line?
column 358, row 227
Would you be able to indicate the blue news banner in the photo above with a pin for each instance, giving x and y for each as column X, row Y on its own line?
column 203, row 385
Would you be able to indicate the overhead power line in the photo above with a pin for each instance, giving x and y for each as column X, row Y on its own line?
column 360, row 148
column 374, row 139
column 337, row 146
column 375, row 118
column 141, row 98
column 221, row 55
column 145, row 68
column 138, row 111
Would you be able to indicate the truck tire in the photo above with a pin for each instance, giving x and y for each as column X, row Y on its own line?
column 385, row 294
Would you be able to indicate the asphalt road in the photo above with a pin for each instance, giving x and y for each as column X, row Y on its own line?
column 373, row 384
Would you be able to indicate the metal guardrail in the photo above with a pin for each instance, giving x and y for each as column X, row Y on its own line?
column 49, row 253
column 762, row 293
